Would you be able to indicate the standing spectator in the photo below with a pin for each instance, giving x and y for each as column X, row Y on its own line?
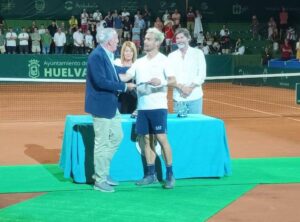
column 36, row 41
column 78, row 44
column 2, row 42
column 42, row 29
column 283, row 22
column 166, row 16
column 147, row 17
column 169, row 35
column 255, row 27
column 89, row 42
column 158, row 24
column 118, row 25
column 52, row 30
column 2, row 22
column 176, row 16
column 198, row 24
column 84, row 21
column 136, row 36
column 109, row 20
column 286, row 50
column 46, row 40
column 59, row 41
column 298, row 49
column 126, row 28
column 190, row 20
column 11, row 43
column 23, row 41
column 73, row 23
column 125, row 13
column 97, row 16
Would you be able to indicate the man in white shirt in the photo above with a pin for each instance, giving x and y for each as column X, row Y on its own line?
column 59, row 41
column 78, row 39
column 189, row 66
column 153, row 75
column 23, row 41
column 88, row 42
column 11, row 43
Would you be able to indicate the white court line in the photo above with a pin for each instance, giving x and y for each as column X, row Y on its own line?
column 243, row 107
column 261, row 101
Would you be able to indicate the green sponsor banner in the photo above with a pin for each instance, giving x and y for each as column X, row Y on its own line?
column 43, row 66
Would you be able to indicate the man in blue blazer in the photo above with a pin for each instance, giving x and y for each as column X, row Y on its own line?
column 102, row 89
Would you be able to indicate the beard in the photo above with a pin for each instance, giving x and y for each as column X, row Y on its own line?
column 181, row 45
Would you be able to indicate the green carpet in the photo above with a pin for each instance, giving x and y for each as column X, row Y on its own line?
column 191, row 200
column 43, row 178
column 151, row 204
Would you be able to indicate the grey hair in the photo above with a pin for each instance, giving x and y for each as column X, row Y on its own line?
column 105, row 35
column 158, row 35
column 184, row 31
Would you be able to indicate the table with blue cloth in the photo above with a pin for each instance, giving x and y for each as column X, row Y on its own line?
column 198, row 142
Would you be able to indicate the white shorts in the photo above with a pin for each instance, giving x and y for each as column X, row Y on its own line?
column 2, row 49
column 35, row 48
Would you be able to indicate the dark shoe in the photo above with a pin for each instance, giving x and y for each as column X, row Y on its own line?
column 104, row 187
column 147, row 180
column 169, row 183
column 111, row 182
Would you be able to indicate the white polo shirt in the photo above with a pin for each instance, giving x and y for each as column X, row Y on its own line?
column 9, row 41
column 188, row 70
column 23, row 37
column 143, row 70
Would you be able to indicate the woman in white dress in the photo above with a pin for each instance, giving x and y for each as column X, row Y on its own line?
column 198, row 24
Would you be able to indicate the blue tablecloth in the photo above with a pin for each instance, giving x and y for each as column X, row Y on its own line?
column 199, row 146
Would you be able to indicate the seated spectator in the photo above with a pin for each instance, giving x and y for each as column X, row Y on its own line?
column 205, row 48
column 239, row 48
column 286, row 50
column 225, row 42
column 200, row 38
column 266, row 56
column 223, row 31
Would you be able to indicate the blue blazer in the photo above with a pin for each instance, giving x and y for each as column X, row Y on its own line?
column 102, row 85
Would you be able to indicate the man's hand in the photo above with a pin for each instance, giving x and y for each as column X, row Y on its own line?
column 186, row 91
column 154, row 82
column 130, row 86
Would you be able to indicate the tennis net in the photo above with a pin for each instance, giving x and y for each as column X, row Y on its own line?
column 240, row 96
